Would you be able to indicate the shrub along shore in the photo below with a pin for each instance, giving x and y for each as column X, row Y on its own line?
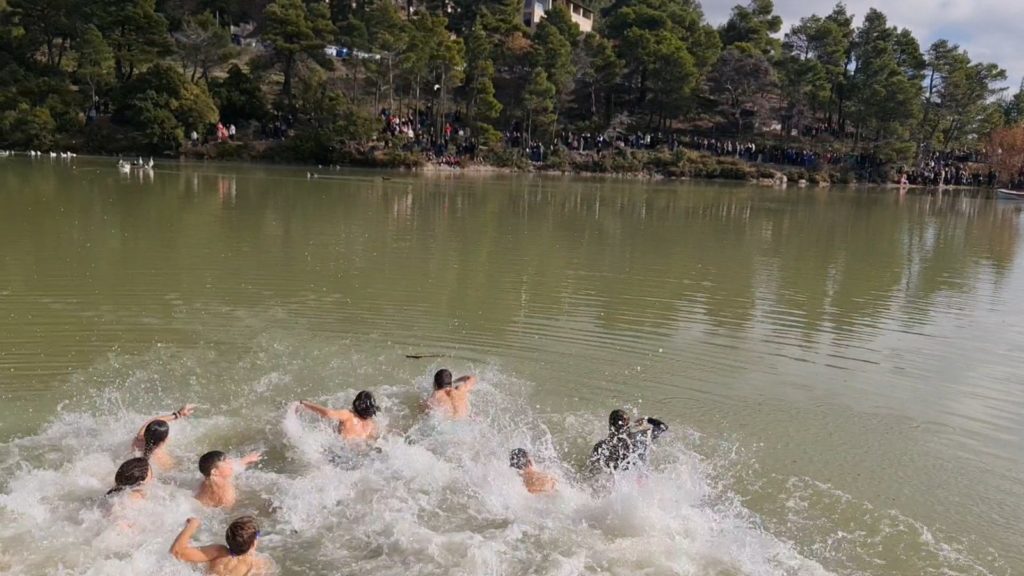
column 652, row 164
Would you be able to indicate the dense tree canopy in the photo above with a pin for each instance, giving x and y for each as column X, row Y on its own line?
column 455, row 75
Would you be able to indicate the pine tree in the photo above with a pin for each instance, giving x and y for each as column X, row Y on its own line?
column 539, row 105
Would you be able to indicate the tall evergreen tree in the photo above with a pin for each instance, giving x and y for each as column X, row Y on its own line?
column 482, row 106
column 754, row 26
column 295, row 31
column 886, row 85
column 135, row 32
column 539, row 105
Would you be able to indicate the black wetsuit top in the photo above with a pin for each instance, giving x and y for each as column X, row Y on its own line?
column 622, row 450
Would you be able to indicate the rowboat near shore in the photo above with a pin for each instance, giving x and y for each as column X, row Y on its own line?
column 1003, row 194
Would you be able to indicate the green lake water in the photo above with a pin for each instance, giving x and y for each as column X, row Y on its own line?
column 840, row 368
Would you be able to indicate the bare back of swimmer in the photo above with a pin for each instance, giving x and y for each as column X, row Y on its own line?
column 355, row 424
column 450, row 398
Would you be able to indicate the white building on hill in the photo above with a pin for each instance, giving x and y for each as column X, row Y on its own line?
column 581, row 15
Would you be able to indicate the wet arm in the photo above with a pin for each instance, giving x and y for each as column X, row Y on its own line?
column 465, row 383
column 250, row 459
column 596, row 462
column 182, row 412
column 321, row 411
column 657, row 427
column 183, row 550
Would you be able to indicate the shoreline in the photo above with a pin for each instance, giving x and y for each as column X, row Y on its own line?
column 761, row 175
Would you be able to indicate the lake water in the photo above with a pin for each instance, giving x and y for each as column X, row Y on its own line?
column 841, row 370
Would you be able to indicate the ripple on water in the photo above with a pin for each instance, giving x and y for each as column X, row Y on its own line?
column 438, row 497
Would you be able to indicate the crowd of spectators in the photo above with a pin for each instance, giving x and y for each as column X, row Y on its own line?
column 951, row 168
column 454, row 143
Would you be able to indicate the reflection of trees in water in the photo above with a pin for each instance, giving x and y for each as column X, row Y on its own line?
column 629, row 257
column 644, row 259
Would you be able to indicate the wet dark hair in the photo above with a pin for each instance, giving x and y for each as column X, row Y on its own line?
column 618, row 421
column 241, row 535
column 364, row 405
column 209, row 461
column 442, row 379
column 519, row 459
column 155, row 434
column 130, row 474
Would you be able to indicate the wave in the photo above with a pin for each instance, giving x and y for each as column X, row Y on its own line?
column 433, row 498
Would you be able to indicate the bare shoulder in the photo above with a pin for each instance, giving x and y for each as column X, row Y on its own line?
column 439, row 396
column 217, row 551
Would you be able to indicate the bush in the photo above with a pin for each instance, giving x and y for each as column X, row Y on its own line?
column 819, row 178
column 161, row 106
column 394, row 159
column 797, row 175
column 507, row 158
column 105, row 137
column 27, row 127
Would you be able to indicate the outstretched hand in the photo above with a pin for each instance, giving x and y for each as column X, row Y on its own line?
column 193, row 522
column 186, row 410
column 251, row 458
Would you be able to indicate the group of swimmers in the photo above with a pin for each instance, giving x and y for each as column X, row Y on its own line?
column 627, row 444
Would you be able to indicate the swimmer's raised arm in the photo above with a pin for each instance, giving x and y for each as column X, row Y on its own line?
column 323, row 411
column 465, row 382
column 250, row 459
column 183, row 550
column 657, row 427
column 183, row 412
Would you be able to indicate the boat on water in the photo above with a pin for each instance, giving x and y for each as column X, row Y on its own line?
column 1004, row 194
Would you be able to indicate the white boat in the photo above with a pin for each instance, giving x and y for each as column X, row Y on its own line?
column 1004, row 194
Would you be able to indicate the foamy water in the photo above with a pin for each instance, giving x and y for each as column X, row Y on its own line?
column 435, row 497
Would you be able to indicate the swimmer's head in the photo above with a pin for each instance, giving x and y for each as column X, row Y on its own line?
column 130, row 474
column 364, row 405
column 155, row 435
column 442, row 379
column 215, row 462
column 519, row 459
column 241, row 535
column 618, row 421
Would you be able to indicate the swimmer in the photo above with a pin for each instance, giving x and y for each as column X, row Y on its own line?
column 131, row 479
column 217, row 489
column 451, row 399
column 354, row 424
column 624, row 446
column 151, row 440
column 536, row 482
column 238, row 558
